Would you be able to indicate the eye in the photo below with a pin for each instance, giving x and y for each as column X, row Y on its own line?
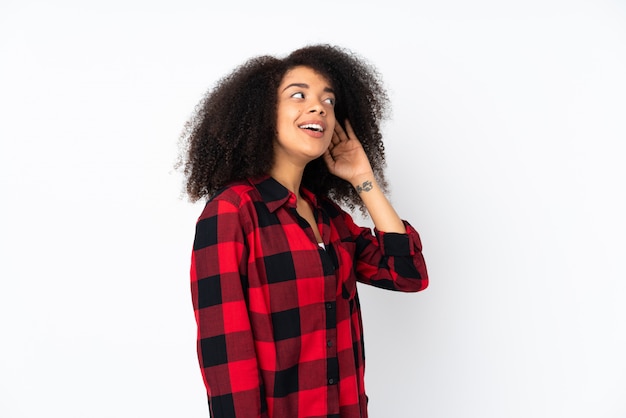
column 298, row 95
column 330, row 101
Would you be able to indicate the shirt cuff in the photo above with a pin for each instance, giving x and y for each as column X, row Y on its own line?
column 399, row 245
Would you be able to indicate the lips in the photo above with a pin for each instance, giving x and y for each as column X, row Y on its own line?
column 313, row 126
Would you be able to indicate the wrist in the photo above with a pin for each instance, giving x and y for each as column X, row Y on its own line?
column 363, row 183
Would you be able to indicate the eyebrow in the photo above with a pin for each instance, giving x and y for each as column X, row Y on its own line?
column 306, row 86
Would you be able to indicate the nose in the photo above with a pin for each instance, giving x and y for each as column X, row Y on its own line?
column 317, row 107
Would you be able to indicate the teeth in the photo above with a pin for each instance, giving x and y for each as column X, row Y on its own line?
column 313, row 126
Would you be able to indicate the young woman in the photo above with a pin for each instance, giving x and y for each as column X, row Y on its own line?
column 279, row 148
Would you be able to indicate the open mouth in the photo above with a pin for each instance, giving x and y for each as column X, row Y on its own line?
column 312, row 127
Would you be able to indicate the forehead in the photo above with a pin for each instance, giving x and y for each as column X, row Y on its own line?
column 303, row 74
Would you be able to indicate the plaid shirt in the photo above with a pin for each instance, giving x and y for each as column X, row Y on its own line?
column 279, row 321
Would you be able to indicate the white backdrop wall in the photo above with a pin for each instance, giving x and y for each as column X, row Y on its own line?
column 505, row 149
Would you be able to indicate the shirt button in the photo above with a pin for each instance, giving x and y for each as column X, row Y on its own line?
column 331, row 381
column 329, row 306
column 329, row 343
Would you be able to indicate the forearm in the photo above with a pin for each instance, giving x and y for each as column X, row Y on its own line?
column 392, row 260
column 378, row 206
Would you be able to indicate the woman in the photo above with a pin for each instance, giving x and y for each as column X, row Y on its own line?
column 278, row 147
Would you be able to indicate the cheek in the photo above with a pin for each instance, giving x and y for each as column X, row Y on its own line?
column 288, row 115
column 330, row 131
column 330, row 120
column 330, row 124
column 283, row 119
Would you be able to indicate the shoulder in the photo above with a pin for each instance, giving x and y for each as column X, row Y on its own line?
column 233, row 197
column 237, row 193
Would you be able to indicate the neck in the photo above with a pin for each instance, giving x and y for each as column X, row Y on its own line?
column 288, row 175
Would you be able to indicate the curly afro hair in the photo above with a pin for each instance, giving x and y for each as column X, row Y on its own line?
column 230, row 136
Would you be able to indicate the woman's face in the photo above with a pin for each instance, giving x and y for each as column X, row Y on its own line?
column 305, row 116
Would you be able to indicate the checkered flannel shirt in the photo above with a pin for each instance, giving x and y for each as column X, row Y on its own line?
column 279, row 320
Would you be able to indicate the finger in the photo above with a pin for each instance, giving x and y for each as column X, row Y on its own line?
column 350, row 130
column 328, row 159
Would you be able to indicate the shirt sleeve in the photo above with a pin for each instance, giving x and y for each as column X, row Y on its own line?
column 225, row 343
column 389, row 260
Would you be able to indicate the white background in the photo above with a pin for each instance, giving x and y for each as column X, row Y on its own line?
column 505, row 150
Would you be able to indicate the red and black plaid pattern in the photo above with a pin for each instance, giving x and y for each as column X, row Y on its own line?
column 279, row 321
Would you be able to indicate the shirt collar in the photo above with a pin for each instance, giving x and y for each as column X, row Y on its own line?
column 275, row 195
